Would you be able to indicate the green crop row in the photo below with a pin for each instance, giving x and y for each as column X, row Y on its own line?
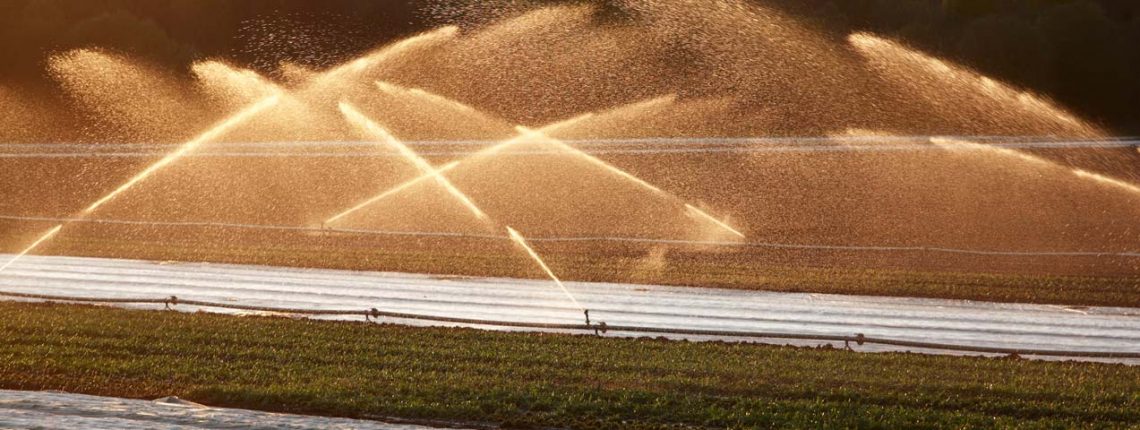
column 540, row 380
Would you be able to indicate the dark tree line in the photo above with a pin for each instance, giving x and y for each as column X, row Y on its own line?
column 1085, row 53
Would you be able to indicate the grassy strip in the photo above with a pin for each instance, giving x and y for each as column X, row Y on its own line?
column 534, row 380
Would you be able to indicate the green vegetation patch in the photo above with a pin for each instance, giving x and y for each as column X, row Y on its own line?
column 539, row 380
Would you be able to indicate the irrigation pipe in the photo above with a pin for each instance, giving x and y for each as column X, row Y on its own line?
column 1000, row 141
column 597, row 328
column 589, row 146
column 514, row 153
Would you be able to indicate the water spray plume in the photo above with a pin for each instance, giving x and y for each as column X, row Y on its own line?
column 545, row 131
column 390, row 88
column 425, row 95
column 521, row 241
column 43, row 238
column 132, row 98
column 237, row 83
column 595, row 161
column 211, row 134
column 294, row 73
column 185, row 148
column 354, row 116
column 339, row 73
column 961, row 145
column 543, row 134
column 393, row 191
column 436, row 99
column 710, row 218
column 958, row 145
column 664, row 100
column 449, row 166
column 1132, row 188
column 930, row 77
column 628, row 176
column 863, row 132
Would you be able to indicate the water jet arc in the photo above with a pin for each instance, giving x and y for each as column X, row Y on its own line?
column 433, row 173
column 43, row 238
column 211, row 134
column 408, row 184
column 544, row 134
column 1099, row 179
column 355, row 117
column 521, row 241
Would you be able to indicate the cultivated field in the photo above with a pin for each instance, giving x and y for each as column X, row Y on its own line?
column 539, row 380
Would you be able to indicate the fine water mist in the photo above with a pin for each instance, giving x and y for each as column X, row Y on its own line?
column 733, row 133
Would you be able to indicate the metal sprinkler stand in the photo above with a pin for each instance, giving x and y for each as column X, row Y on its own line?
column 372, row 315
column 599, row 328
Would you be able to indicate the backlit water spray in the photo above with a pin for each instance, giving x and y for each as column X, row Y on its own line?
column 521, row 241
column 710, row 218
column 432, row 98
column 543, row 135
column 44, row 238
column 340, row 74
column 436, row 172
column 630, row 177
column 1105, row 180
column 355, row 117
column 961, row 145
column 211, row 134
column 1099, row 179
column 940, row 82
column 391, row 192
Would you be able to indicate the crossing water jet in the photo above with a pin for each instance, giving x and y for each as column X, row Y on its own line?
column 360, row 120
column 408, row 184
column 634, row 179
column 452, row 165
column 544, row 133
